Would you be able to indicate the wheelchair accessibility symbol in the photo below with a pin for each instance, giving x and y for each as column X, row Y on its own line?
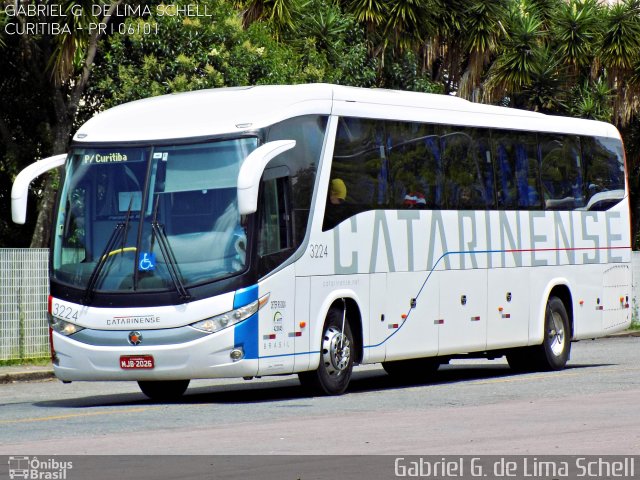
column 147, row 262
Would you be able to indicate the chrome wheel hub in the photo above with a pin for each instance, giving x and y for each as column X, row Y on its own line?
column 556, row 334
column 336, row 351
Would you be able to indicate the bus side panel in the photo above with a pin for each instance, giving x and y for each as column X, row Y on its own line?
column 616, row 294
column 302, row 324
column 417, row 335
column 463, row 311
column 276, row 333
column 379, row 331
column 508, row 307
column 587, row 288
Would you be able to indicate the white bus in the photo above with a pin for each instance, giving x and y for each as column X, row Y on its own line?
column 305, row 229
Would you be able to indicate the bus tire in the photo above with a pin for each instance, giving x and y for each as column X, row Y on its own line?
column 553, row 353
column 336, row 358
column 164, row 390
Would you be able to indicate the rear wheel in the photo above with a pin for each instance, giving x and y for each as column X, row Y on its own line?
column 555, row 349
column 164, row 390
column 336, row 357
column 553, row 352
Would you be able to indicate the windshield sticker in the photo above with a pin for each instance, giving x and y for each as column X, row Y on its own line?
column 147, row 262
column 113, row 157
column 157, row 155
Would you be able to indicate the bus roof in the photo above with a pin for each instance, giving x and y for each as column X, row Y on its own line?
column 212, row 112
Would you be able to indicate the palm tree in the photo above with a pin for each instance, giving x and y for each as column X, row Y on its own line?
column 408, row 23
column 619, row 54
column 483, row 31
column 577, row 30
column 520, row 59
column 279, row 12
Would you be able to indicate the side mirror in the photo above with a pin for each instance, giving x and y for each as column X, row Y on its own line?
column 20, row 189
column 251, row 171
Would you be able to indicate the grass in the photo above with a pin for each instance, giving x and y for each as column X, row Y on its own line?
column 40, row 362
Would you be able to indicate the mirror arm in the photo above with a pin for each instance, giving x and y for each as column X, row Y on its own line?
column 251, row 172
column 20, row 188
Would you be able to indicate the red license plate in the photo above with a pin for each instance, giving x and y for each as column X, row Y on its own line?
column 136, row 362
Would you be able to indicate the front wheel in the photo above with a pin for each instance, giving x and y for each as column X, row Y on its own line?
column 164, row 390
column 336, row 357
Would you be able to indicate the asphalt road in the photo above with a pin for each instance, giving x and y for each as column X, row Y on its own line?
column 471, row 407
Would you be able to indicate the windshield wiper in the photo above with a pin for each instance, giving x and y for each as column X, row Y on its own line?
column 119, row 231
column 157, row 230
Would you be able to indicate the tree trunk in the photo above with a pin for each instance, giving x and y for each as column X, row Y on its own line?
column 42, row 231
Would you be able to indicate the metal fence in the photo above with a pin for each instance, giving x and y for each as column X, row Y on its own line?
column 24, row 288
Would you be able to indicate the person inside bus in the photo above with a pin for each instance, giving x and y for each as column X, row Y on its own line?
column 334, row 213
column 337, row 192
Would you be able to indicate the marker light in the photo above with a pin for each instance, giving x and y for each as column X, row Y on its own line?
column 219, row 322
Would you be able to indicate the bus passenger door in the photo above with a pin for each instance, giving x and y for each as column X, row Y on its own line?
column 276, row 332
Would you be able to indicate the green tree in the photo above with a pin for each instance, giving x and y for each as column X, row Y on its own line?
column 53, row 65
column 484, row 30
column 521, row 57
column 187, row 54
column 577, row 32
column 620, row 53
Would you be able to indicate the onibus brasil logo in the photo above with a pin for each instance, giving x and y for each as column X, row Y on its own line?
column 35, row 469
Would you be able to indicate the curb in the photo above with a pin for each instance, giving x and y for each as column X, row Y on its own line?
column 626, row 333
column 25, row 376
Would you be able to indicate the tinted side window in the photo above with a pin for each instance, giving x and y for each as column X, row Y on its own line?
column 415, row 170
column 604, row 172
column 516, row 163
column 359, row 161
column 468, row 177
column 561, row 172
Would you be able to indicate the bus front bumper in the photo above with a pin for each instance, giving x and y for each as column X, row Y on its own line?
column 207, row 357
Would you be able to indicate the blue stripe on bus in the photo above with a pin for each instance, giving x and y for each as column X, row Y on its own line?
column 245, row 296
column 245, row 334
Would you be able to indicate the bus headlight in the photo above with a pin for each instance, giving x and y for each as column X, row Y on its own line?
column 63, row 327
column 219, row 322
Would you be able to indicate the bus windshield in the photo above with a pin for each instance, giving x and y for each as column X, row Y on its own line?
column 150, row 218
